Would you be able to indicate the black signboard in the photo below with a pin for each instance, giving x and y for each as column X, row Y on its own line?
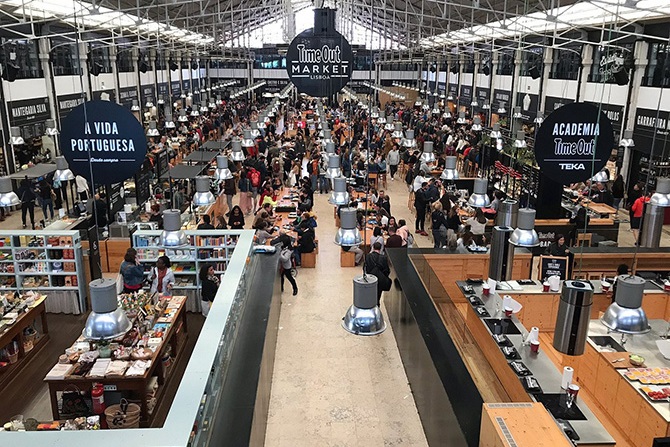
column 195, row 84
column 319, row 60
column 127, row 95
column 175, row 88
column 163, row 90
column 65, row 103
column 453, row 91
column 501, row 98
column 275, row 85
column 465, row 98
column 552, row 103
column 142, row 183
column 614, row 113
column 573, row 143
column 441, row 88
column 554, row 266
column 162, row 163
column 104, row 137
column 186, row 85
column 105, row 95
column 148, row 93
column 529, row 105
column 646, row 125
column 29, row 111
column 115, row 198
column 482, row 95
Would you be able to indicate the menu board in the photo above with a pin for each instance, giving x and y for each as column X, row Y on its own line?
column 116, row 201
column 554, row 266
column 162, row 163
column 142, row 190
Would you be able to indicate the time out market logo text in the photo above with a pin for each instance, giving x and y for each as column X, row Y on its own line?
column 320, row 63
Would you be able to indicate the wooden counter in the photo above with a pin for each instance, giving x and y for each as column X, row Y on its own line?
column 529, row 424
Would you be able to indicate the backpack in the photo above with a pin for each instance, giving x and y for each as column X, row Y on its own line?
column 255, row 178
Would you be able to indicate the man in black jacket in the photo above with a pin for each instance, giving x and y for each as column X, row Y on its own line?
column 420, row 201
column 377, row 264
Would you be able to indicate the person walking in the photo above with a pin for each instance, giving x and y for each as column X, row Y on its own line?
column 286, row 265
column 162, row 277
column 47, row 196
column 229, row 189
column 377, row 264
column 618, row 188
column 393, row 160
column 209, row 285
column 439, row 225
column 132, row 272
column 420, row 202
column 82, row 188
column 27, row 196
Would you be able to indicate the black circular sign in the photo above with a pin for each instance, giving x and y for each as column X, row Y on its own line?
column 319, row 65
column 106, row 135
column 574, row 143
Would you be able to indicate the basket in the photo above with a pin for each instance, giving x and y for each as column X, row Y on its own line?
column 123, row 415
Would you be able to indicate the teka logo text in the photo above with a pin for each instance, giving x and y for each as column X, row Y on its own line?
column 572, row 166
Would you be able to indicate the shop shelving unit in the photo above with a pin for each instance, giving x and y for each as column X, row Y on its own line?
column 205, row 247
column 48, row 263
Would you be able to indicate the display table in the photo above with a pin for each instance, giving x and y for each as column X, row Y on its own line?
column 174, row 339
column 15, row 333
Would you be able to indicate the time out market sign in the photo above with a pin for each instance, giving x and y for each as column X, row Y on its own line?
column 105, row 138
column 319, row 65
column 574, row 143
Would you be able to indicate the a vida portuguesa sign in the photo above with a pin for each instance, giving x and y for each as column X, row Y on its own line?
column 103, row 137
column 574, row 142
column 320, row 63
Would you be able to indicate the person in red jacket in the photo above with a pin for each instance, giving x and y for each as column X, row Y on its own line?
column 637, row 209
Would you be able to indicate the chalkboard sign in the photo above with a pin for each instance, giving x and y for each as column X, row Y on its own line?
column 553, row 265
column 115, row 197
column 162, row 163
column 142, row 190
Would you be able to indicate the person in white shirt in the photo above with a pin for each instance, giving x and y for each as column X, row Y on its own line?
column 82, row 188
column 393, row 160
column 418, row 181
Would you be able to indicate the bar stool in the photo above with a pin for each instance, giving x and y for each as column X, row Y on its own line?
column 382, row 179
column 372, row 180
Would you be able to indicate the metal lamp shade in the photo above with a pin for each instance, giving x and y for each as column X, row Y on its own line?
column 348, row 235
column 254, row 129
column 222, row 172
column 381, row 119
column 51, row 129
column 495, row 132
column 333, row 170
column 152, row 131
column 136, row 106
column 397, row 133
column 7, row 195
column 625, row 315
column 106, row 321
column 450, row 172
column 203, row 196
column 461, row 118
column 627, row 140
column 364, row 317
column 330, row 147
column 601, row 177
column 172, row 235
column 525, row 235
column 16, row 138
column 182, row 116
column 194, row 112
column 520, row 141
column 339, row 196
column 436, row 111
column 160, row 101
column 326, row 137
column 662, row 195
column 427, row 155
column 409, row 140
column 479, row 198
column 236, row 153
column 477, row 124
column 63, row 172
column 149, row 103
column 375, row 113
column 169, row 124
column 389, row 126
column 203, row 107
column 517, row 113
column 446, row 114
column 261, row 123
column 248, row 140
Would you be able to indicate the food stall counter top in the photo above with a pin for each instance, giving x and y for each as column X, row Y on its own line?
column 644, row 345
column 512, row 287
column 590, row 430
column 65, row 224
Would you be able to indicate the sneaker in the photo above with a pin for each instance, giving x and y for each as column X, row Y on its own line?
column 295, row 292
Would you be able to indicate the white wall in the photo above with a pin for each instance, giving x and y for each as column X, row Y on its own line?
column 453, row 78
column 467, row 79
column 25, row 89
column 104, row 81
column 608, row 93
column 483, row 80
column 147, row 78
column 502, row 83
column 526, row 84
column 67, row 85
column 127, row 79
column 174, row 75
column 398, row 75
column 561, row 88
column 649, row 96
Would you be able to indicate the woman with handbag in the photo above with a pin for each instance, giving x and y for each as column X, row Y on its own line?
column 162, row 277
column 209, row 285
column 27, row 196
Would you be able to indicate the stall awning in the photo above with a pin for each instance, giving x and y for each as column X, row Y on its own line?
column 36, row 171
column 181, row 172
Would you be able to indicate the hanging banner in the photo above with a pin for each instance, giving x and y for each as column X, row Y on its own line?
column 175, row 88
column 28, row 111
column 319, row 60
column 68, row 102
column 105, row 138
column 501, row 100
column 574, row 142
column 465, row 98
column 552, row 103
column 127, row 95
column 652, row 129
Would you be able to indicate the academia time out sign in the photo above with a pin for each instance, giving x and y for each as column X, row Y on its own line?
column 104, row 137
column 574, row 143
column 319, row 65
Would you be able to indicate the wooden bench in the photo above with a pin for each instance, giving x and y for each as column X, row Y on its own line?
column 347, row 259
column 308, row 260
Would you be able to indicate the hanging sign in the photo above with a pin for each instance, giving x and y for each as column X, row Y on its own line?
column 574, row 142
column 68, row 102
column 320, row 63
column 28, row 111
column 105, row 138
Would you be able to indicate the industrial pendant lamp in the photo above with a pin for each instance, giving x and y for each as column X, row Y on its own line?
column 436, row 110
column 203, row 196
column 152, row 131
column 520, row 141
column 324, row 129
column 486, row 106
column 517, row 113
column 7, row 195
column 212, row 104
column 364, row 316
column 461, row 118
column 627, row 140
column 524, row 235
column 16, row 138
column 51, row 128
column 63, row 172
column 397, row 133
column 479, row 198
column 339, row 196
column 418, row 102
column 382, row 118
column 172, row 236
column 261, row 123
column 194, row 112
column 326, row 138
column 169, row 124
column 248, row 140
column 601, row 177
column 477, row 124
column 348, row 234
column 333, row 170
column 182, row 116
column 136, row 106
column 625, row 314
column 474, row 103
column 106, row 321
column 409, row 141
column 450, row 172
column 222, row 172
column 330, row 148
column 427, row 155
column 203, row 107
column 255, row 133
column 446, row 114
column 149, row 104
column 495, row 132
column 502, row 110
column 662, row 195
column 236, row 150
column 160, row 101
column 539, row 119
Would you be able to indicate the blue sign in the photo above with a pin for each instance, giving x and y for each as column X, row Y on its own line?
column 104, row 138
